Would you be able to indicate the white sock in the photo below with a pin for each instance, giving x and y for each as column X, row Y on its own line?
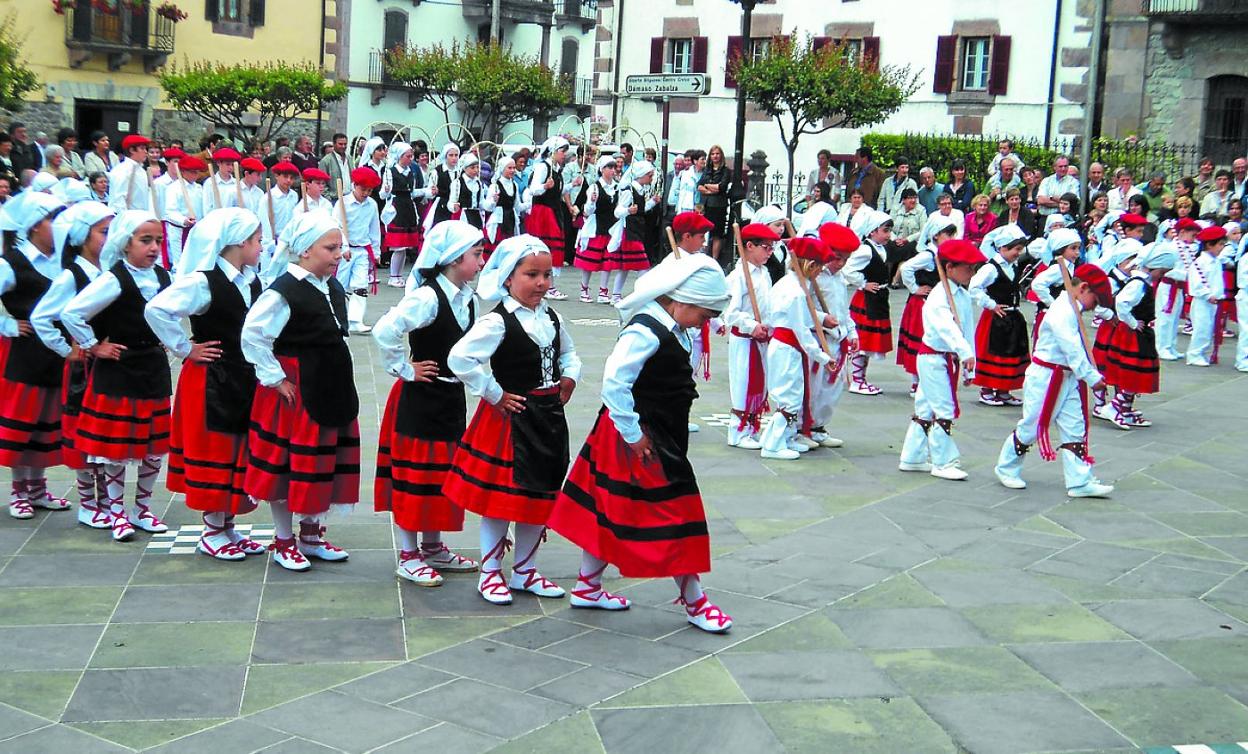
column 617, row 288
column 408, row 540
column 86, row 487
column 528, row 539
column 431, row 541
column 602, row 279
column 493, row 532
column 149, row 469
column 215, row 520
column 591, row 574
column 690, row 588
column 397, row 256
column 283, row 525
column 115, row 483
column 585, row 276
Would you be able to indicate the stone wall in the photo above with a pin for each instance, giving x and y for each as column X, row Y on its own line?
column 1180, row 62
column 38, row 116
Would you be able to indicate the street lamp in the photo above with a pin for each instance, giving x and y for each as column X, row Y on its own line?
column 747, row 50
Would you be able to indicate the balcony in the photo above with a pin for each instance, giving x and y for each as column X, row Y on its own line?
column 122, row 36
column 581, row 12
column 539, row 12
column 380, row 81
column 1197, row 11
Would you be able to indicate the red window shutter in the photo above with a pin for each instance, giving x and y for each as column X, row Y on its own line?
column 871, row 53
column 946, row 55
column 212, row 10
column 818, row 43
column 656, row 54
column 736, row 46
column 700, row 47
column 999, row 72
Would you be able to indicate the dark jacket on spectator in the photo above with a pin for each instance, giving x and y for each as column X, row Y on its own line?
column 1027, row 220
column 872, row 179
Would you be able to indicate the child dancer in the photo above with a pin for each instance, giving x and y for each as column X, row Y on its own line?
column 279, row 202
column 402, row 187
column 30, row 373
column 125, row 411
column 545, row 197
column 595, row 236
column 216, row 285
column 426, row 411
column 221, row 188
column 631, row 498
column 1002, row 351
column 792, row 349
column 313, row 200
column 948, row 334
column 1132, row 354
column 1056, row 388
column 467, row 200
column 918, row 274
column 867, row 270
column 519, row 358
column 1207, row 288
column 774, row 218
column 842, row 339
column 357, row 272
column 79, row 233
column 747, row 370
column 503, row 206
column 627, row 250
column 178, row 217
column 1063, row 247
column 304, row 443
column 445, row 174
column 690, row 229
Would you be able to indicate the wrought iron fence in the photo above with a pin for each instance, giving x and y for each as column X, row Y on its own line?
column 119, row 29
column 1168, row 7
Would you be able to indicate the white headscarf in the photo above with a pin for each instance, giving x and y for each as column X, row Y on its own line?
column 24, row 211
column 72, row 226
column 119, row 233
column 1052, row 221
column 606, row 160
column 42, row 182
column 449, row 147
column 509, row 253
column 874, row 220
column 397, row 150
column 693, row 279
column 640, row 169
column 366, row 157
column 935, row 224
column 498, row 172
column 767, row 214
column 1003, row 236
column 1162, row 256
column 220, row 228
column 1060, row 239
column 447, row 241
column 300, row 234
column 72, row 191
column 554, row 144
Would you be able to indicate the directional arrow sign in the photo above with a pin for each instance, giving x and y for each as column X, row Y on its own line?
column 667, row 85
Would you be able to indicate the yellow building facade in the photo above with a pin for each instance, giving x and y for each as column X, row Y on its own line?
column 97, row 60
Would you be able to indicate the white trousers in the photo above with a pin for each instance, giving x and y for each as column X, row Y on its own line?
column 1070, row 425
column 933, row 400
column 173, row 242
column 739, row 380
column 825, row 395
column 1241, row 315
column 1166, row 328
column 1204, row 319
column 353, row 273
column 786, row 390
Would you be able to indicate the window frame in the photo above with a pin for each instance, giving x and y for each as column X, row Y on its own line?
column 223, row 14
column 675, row 45
column 984, row 70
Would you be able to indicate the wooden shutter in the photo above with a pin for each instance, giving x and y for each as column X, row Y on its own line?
column 656, row 54
column 818, row 43
column 394, row 31
column 211, row 9
column 256, row 16
column 999, row 70
column 700, row 47
column 736, row 46
column 871, row 53
column 946, row 59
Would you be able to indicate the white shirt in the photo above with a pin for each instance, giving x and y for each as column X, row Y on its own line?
column 1050, row 276
column 1053, row 187
column 363, row 221
column 1130, row 295
column 217, row 186
column 842, row 216
column 1241, row 277
column 128, row 187
column 940, row 331
column 418, row 309
column 1118, row 198
column 470, row 357
column 858, row 261
column 284, row 203
column 836, row 296
column 636, row 344
column 48, row 266
column 319, row 204
column 787, row 307
column 956, row 218
column 924, row 260
column 97, row 296
column 537, row 180
column 1204, row 278
column 175, row 213
column 739, row 313
column 189, row 296
column 48, row 312
column 268, row 316
column 1059, row 341
column 985, row 276
column 1187, row 252
column 688, row 197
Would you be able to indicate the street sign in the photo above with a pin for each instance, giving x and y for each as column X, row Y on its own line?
column 667, row 85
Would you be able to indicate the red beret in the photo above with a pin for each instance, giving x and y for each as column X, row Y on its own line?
column 315, row 174
column 1211, row 234
column 1098, row 281
column 365, row 177
column 1131, row 219
column 810, row 248
column 839, row 239
column 691, row 222
column 758, row 232
column 191, row 162
column 253, row 165
column 173, row 153
column 958, row 251
column 1187, row 223
column 285, row 166
column 225, row 154
column 134, row 140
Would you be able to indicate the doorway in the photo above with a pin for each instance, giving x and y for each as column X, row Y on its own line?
column 117, row 119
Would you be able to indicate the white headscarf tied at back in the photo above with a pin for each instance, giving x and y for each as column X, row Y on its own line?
column 509, row 253
column 1051, row 222
column 935, row 224
column 467, row 161
column 447, row 148
column 606, row 160
column 119, row 233
column 554, row 144
column 1104, row 224
column 767, row 214
column 1003, row 236
column 397, row 150
column 43, row 182
column 1060, row 239
column 874, row 220
column 24, row 211
column 366, row 157
column 72, row 191
column 1162, row 256
column 640, row 169
column 300, row 234
column 72, row 226
column 220, row 228
column 693, row 279
column 502, row 165
column 447, row 241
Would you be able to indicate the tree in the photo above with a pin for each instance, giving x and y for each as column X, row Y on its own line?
column 491, row 86
column 224, row 94
column 15, row 78
column 809, row 91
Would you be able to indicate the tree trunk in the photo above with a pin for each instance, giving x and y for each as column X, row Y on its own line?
column 788, row 193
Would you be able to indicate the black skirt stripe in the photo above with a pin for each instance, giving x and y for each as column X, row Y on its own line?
column 634, row 533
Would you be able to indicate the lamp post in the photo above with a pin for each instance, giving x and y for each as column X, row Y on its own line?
column 747, row 50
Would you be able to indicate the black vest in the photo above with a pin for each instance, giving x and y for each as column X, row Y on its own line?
column 1003, row 290
column 468, row 205
column 930, row 278
column 518, row 362
column 635, row 224
column 315, row 337
column 662, row 396
column 77, row 386
column 441, row 202
column 30, row 362
column 143, row 370
column 552, row 197
column 435, row 410
column 223, row 320
column 604, row 210
column 876, row 271
column 507, row 203
column 1145, row 310
column 230, row 382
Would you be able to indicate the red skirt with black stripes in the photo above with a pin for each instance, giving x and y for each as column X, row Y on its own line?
column 1100, row 345
column 910, row 334
column 30, row 421
column 71, row 410
column 630, row 256
column 120, row 428
column 542, row 223
column 625, row 511
column 292, row 458
column 994, row 370
column 410, row 475
column 208, row 467
column 591, row 258
column 874, row 335
column 481, row 478
column 1132, row 364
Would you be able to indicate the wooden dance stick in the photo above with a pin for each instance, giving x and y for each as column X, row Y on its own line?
column 810, row 306
column 269, row 197
column 672, row 240
column 157, row 210
column 749, row 279
column 186, row 196
column 1070, row 294
column 342, row 213
column 238, row 185
column 216, row 190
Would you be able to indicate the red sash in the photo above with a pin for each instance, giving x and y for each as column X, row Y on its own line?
column 706, row 350
column 953, row 367
column 1050, row 404
column 789, row 338
column 756, row 384
column 1173, row 294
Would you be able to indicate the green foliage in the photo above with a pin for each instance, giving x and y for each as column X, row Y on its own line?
column 491, row 86
column 15, row 78
column 277, row 92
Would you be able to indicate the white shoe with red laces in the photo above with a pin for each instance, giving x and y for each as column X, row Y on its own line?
column 493, row 588
column 585, row 297
column 143, row 518
column 595, row 597
column 96, row 518
column 535, row 583
column 417, row 571
column 49, row 503
column 604, row 297
column 287, row 555
column 313, row 544
column 706, row 616
column 122, row 528
column 22, row 510
column 247, row 545
column 215, row 543
column 863, row 388
column 445, row 560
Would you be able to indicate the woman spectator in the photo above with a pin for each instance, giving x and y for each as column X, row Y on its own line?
column 1140, row 205
column 950, row 215
column 100, row 159
column 854, row 213
column 67, row 139
column 960, row 187
column 1184, row 207
column 979, row 221
column 825, row 173
column 688, row 197
column 1017, row 214
column 908, row 221
column 522, row 170
column 820, row 211
column 99, row 186
column 714, row 190
column 1068, row 204
column 1099, row 201
column 54, row 162
column 1235, row 214
column 1031, row 188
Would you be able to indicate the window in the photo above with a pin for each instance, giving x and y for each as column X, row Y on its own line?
column 761, row 46
column 679, row 56
column 852, row 50
column 684, row 55
column 1226, row 118
column 394, row 30
column 975, row 62
column 237, row 12
column 229, row 10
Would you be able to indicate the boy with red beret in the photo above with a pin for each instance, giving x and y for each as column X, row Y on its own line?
column 221, row 188
column 357, row 272
column 172, row 158
column 129, row 186
column 842, row 339
column 313, row 199
column 747, row 372
column 1207, row 287
column 179, row 218
column 1172, row 290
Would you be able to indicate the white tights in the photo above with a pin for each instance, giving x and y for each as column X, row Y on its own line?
column 493, row 536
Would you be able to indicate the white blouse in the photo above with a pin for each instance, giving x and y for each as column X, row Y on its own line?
column 189, row 296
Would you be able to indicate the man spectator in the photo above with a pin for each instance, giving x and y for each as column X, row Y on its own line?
column 827, row 174
column 1005, row 151
column 1124, row 188
column 626, row 154
column 894, row 185
column 7, row 168
column 672, row 182
column 209, row 145
column 1204, row 180
column 67, row 139
column 866, row 176
column 40, row 143
column 1053, row 186
column 1217, row 203
column 282, row 143
column 1157, row 194
column 1096, row 181
column 337, row 166
column 1239, row 178
column 304, row 156
column 1004, row 180
column 6, row 188
column 24, row 154
column 929, row 190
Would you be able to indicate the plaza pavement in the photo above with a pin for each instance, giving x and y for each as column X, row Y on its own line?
column 875, row 611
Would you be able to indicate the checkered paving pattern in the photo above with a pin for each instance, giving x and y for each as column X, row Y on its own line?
column 1238, row 748
column 182, row 541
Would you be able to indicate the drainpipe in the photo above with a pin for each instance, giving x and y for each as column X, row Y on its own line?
column 619, row 38
column 319, row 107
column 1090, row 108
column 1048, row 108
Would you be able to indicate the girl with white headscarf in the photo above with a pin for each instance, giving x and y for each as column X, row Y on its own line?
column 867, row 271
column 425, row 413
column 548, row 210
column 595, row 235
column 775, row 218
column 79, row 234
column 30, row 373
column 467, row 199
column 634, row 206
column 1062, row 245
column 633, row 473
column 520, row 359
column 125, row 410
column 403, row 186
column 216, row 285
column 295, row 335
column 918, row 274
column 1002, row 351
column 445, row 192
column 504, row 205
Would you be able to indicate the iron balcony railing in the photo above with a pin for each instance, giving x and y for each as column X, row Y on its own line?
column 121, row 29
